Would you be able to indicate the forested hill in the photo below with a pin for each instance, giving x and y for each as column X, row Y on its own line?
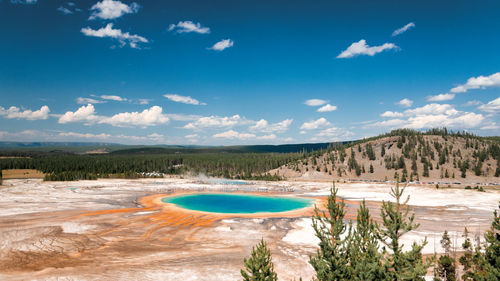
column 9, row 148
column 434, row 156
column 284, row 148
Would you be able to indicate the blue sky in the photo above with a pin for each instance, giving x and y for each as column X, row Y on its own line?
column 245, row 72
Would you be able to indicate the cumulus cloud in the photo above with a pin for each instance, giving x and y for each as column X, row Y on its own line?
column 183, row 99
column 83, row 114
column 187, row 27
column 148, row 117
column 117, row 34
column 431, row 116
column 216, row 122
column 405, row 103
column 16, row 113
column 403, row 29
column 480, row 82
column 111, row 9
column 392, row 114
column 332, row 134
column 315, row 124
column 361, row 48
column 234, row 135
column 222, row 45
column 263, row 126
column 315, row 102
column 113, row 98
column 492, row 106
column 441, row 97
column 327, row 108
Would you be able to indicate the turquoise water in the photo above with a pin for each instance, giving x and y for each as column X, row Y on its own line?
column 237, row 203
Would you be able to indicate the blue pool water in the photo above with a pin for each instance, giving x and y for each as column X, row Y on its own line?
column 237, row 203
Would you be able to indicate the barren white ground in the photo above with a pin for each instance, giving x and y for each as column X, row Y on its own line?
column 42, row 237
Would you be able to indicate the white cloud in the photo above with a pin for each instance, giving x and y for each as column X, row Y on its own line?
column 117, row 34
column 113, row 98
column 183, row 99
column 492, row 106
column 234, row 135
column 81, row 100
column 15, row 113
column 267, row 137
column 64, row 10
column 361, row 48
column 332, row 134
column 327, row 108
column 111, row 9
column 192, row 136
column 441, row 97
column 391, row 114
column 216, row 122
column 23, row 1
column 221, row 45
column 472, row 103
column 188, row 26
column 432, row 116
column 143, row 101
column 148, row 117
column 315, row 102
column 83, row 114
column 84, row 136
column 432, row 108
column 405, row 102
column 492, row 126
column 480, row 82
column 403, row 29
column 263, row 126
column 316, row 124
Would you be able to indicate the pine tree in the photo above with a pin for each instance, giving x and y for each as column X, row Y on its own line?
column 492, row 248
column 365, row 258
column 259, row 267
column 382, row 153
column 332, row 258
column 371, row 168
column 396, row 222
column 446, row 267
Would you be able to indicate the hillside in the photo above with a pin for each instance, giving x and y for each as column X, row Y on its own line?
column 436, row 156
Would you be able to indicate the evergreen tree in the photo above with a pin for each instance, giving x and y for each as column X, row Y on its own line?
column 396, row 222
column 332, row 258
column 365, row 258
column 382, row 153
column 371, row 168
column 259, row 267
column 492, row 249
column 446, row 267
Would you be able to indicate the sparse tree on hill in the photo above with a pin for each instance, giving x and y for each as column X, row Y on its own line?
column 259, row 267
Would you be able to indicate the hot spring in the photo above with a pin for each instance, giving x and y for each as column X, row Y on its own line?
column 237, row 203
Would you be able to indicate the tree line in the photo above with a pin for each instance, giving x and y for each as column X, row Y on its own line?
column 88, row 167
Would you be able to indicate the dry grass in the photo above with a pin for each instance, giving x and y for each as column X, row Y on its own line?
column 22, row 174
